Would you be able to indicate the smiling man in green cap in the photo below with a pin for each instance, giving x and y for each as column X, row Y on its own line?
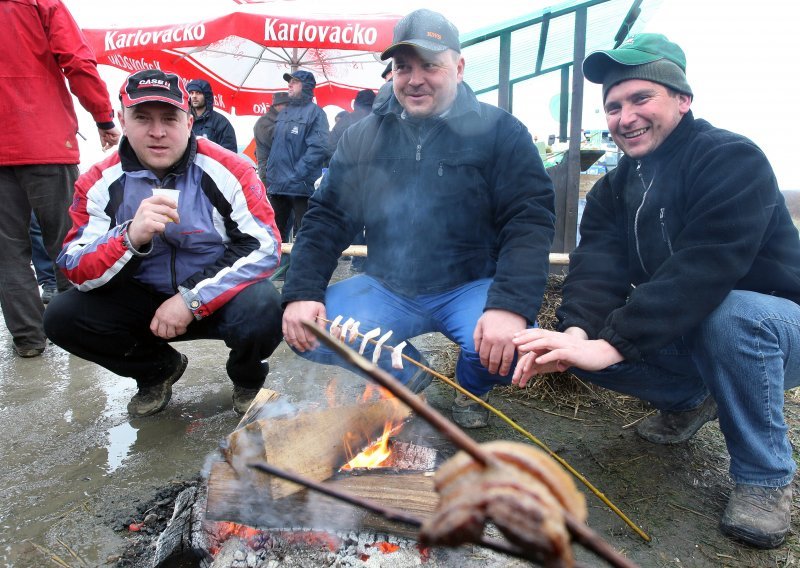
column 684, row 289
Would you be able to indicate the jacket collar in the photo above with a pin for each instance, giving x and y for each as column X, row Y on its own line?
column 676, row 140
column 130, row 161
column 465, row 102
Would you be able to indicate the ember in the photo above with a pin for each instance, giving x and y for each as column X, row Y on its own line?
column 225, row 530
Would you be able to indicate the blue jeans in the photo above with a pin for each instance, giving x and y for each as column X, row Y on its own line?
column 453, row 313
column 745, row 354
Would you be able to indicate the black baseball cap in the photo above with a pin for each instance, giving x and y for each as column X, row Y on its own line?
column 151, row 85
column 424, row 29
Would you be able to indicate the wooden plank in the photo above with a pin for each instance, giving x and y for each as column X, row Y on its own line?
column 233, row 499
column 312, row 443
column 262, row 399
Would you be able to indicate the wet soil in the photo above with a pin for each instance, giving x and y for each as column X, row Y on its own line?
column 78, row 474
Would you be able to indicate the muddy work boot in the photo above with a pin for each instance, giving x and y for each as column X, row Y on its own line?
column 243, row 398
column 757, row 515
column 676, row 427
column 470, row 414
column 154, row 398
column 27, row 352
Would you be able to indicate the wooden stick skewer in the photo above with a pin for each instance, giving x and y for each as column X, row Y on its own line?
column 580, row 532
column 599, row 494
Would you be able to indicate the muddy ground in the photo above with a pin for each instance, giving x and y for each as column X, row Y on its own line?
column 77, row 473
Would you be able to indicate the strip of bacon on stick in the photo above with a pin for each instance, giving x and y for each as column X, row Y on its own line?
column 377, row 352
column 334, row 329
column 345, row 329
column 353, row 332
column 397, row 355
column 367, row 336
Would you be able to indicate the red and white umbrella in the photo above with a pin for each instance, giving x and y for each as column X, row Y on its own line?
column 244, row 54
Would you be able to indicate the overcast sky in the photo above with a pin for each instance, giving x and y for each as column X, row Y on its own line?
column 741, row 61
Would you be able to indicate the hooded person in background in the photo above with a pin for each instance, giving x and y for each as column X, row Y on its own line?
column 362, row 106
column 209, row 123
column 685, row 286
column 458, row 212
column 264, row 131
column 299, row 149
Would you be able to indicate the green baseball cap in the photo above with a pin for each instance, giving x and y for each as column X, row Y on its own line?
column 635, row 50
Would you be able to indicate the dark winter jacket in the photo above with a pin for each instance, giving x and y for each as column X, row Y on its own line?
column 211, row 124
column 444, row 201
column 664, row 240
column 264, row 132
column 299, row 145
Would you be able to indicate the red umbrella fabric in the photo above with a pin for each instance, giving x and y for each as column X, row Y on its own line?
column 244, row 54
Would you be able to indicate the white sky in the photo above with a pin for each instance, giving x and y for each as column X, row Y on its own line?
column 741, row 61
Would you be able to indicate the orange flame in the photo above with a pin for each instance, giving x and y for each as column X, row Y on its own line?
column 376, row 453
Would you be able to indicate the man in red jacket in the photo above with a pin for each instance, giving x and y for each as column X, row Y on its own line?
column 42, row 46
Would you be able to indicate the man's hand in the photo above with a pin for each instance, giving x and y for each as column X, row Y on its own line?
column 151, row 219
column 108, row 138
column 545, row 351
column 171, row 318
column 493, row 335
column 294, row 332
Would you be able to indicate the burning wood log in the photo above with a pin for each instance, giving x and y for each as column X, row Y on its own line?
column 407, row 486
column 312, row 442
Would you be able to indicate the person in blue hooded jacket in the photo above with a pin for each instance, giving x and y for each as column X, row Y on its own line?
column 299, row 149
column 208, row 123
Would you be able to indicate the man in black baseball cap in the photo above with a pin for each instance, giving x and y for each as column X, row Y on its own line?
column 154, row 85
column 172, row 239
column 685, row 286
column 458, row 213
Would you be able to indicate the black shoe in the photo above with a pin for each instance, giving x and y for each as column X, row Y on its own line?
column 47, row 294
column 154, row 398
column 676, row 427
column 758, row 516
column 27, row 352
column 243, row 398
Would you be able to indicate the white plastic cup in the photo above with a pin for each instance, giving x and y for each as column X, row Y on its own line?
column 173, row 194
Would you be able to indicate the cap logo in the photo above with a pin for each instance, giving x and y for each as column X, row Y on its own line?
column 160, row 83
column 435, row 35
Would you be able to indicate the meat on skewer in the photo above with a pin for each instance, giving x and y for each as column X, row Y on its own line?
column 345, row 329
column 397, row 355
column 334, row 330
column 524, row 496
column 353, row 332
column 367, row 336
column 379, row 345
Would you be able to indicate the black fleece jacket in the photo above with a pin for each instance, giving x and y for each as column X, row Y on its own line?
column 665, row 239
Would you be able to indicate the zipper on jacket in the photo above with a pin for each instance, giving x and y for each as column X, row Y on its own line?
column 664, row 233
column 441, row 169
column 419, row 152
column 172, row 255
column 639, row 210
